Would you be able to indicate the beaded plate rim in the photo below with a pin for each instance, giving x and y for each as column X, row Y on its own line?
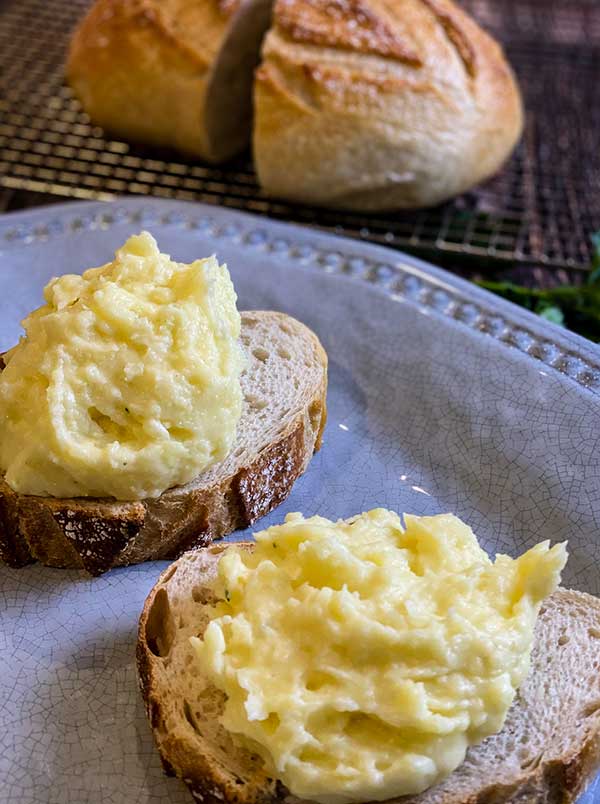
column 400, row 276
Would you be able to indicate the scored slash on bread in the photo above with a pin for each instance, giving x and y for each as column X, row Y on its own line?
column 376, row 104
column 283, row 418
column 547, row 751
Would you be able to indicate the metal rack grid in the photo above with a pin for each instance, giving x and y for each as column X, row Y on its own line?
column 540, row 210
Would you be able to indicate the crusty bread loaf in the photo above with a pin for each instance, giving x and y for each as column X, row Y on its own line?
column 359, row 104
column 547, row 751
column 380, row 104
column 170, row 72
column 282, row 423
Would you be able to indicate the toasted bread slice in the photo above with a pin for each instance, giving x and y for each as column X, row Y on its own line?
column 547, row 751
column 282, row 423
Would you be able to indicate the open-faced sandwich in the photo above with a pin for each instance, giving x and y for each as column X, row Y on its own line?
column 142, row 415
column 363, row 660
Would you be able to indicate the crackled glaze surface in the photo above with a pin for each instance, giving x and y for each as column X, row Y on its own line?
column 441, row 398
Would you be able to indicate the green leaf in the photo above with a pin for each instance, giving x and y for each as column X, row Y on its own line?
column 594, row 274
column 578, row 306
column 574, row 306
column 551, row 313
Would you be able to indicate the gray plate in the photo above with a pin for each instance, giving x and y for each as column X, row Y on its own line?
column 442, row 398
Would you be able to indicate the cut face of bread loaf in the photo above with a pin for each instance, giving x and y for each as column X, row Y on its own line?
column 380, row 104
column 282, row 422
column 547, row 751
column 170, row 72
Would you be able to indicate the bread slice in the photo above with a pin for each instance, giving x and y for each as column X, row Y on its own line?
column 379, row 104
column 170, row 72
column 547, row 751
column 282, row 423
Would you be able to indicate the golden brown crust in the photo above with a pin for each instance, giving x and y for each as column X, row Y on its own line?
column 360, row 130
column 111, row 21
column 99, row 534
column 346, row 24
column 169, row 72
column 131, row 71
column 448, row 19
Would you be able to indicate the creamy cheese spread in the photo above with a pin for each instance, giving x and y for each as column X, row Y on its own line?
column 361, row 658
column 127, row 381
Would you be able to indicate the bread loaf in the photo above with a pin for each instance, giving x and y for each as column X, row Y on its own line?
column 380, row 104
column 170, row 72
column 359, row 104
column 282, row 424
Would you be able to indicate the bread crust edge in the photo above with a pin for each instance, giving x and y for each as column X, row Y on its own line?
column 179, row 756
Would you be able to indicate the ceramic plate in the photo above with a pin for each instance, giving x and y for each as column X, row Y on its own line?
column 442, row 398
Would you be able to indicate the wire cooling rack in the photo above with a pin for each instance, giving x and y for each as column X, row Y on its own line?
column 540, row 210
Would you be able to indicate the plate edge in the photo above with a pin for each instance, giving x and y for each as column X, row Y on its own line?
column 400, row 276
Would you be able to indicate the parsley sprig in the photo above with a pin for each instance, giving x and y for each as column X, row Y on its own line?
column 576, row 307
